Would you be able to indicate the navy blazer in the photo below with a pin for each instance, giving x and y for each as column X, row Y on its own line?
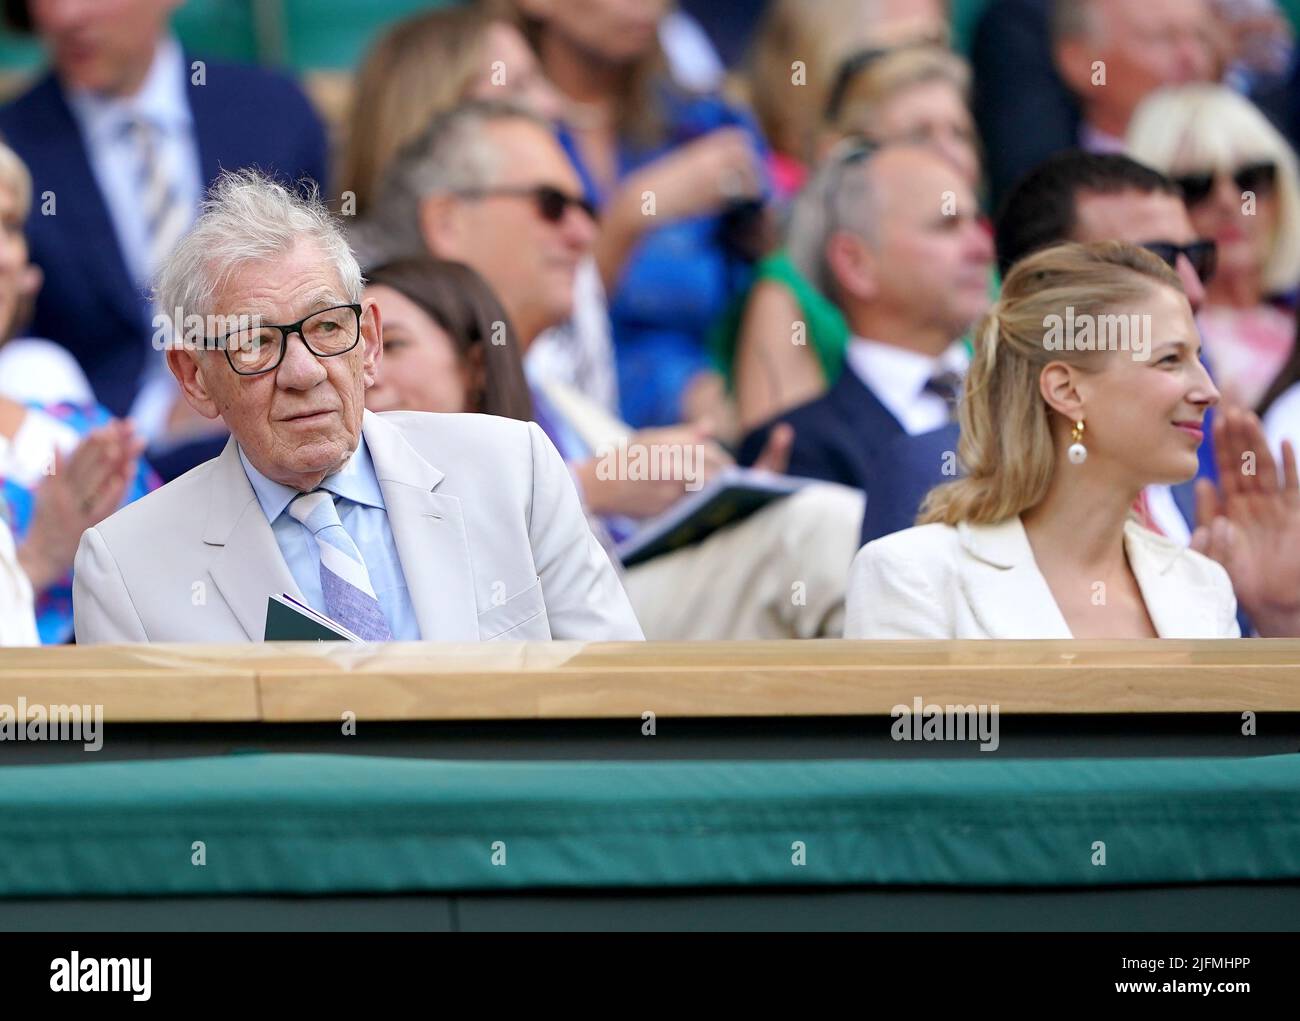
column 243, row 117
column 837, row 437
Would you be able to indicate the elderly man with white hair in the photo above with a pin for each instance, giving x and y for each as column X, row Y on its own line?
column 400, row 526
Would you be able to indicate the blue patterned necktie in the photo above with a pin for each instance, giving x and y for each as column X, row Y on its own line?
column 349, row 597
column 166, row 217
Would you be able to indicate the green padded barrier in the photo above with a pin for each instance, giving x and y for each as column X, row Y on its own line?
column 315, row 824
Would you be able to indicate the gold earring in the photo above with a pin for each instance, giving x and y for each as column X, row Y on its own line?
column 1077, row 453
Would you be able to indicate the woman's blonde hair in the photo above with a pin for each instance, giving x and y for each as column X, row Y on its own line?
column 1192, row 128
column 421, row 66
column 15, row 176
column 1006, row 444
column 889, row 75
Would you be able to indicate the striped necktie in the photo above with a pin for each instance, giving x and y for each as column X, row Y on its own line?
column 166, row 217
column 349, row 598
column 946, row 385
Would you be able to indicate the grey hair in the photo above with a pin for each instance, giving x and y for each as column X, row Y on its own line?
column 248, row 217
column 453, row 153
column 840, row 197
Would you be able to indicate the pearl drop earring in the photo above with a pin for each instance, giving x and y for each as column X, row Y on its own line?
column 1077, row 453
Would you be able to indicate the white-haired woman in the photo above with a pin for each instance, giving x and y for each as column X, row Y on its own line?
column 1039, row 539
column 1242, row 189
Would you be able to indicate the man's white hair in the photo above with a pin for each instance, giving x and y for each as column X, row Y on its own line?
column 248, row 218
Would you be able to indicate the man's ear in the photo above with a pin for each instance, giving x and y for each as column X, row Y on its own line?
column 189, row 367
column 1074, row 59
column 1059, row 385
column 442, row 227
column 853, row 265
column 372, row 339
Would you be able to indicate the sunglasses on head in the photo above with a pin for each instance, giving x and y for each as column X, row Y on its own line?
column 1259, row 178
column 1203, row 255
column 550, row 202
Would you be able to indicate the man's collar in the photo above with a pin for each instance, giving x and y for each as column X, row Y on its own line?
column 355, row 481
column 876, row 361
column 161, row 99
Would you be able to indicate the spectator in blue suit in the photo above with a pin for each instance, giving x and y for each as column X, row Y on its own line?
column 909, row 270
column 1074, row 196
column 123, row 135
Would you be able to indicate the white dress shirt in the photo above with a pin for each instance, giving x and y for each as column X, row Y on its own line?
column 897, row 376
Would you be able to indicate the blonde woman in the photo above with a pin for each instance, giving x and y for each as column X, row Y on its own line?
column 424, row 65
column 1039, row 540
column 797, row 49
column 1242, row 189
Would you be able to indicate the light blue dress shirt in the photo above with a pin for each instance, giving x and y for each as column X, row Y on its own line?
column 360, row 504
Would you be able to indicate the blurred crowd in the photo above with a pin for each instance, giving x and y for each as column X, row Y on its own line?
column 773, row 235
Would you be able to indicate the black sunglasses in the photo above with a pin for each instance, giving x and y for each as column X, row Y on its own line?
column 1259, row 178
column 1203, row 255
column 551, row 203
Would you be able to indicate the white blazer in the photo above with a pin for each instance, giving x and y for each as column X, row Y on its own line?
column 981, row 581
column 17, row 622
column 491, row 538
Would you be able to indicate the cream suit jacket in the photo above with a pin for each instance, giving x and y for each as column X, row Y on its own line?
column 981, row 581
column 491, row 538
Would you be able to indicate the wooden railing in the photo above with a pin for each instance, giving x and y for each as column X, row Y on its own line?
column 573, row 680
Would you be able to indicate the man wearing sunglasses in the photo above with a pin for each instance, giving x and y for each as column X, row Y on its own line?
column 1077, row 196
column 397, row 527
column 488, row 185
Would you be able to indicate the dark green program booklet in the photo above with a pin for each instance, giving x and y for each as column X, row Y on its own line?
column 288, row 620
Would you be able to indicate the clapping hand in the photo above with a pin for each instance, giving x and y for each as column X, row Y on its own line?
column 84, row 488
column 1252, row 524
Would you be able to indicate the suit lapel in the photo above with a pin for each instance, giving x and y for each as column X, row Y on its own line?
column 429, row 531
column 1178, row 606
column 862, row 411
column 247, row 566
column 1006, row 592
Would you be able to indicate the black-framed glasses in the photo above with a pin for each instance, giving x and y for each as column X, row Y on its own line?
column 329, row 332
column 1259, row 178
column 1203, row 255
column 551, row 203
